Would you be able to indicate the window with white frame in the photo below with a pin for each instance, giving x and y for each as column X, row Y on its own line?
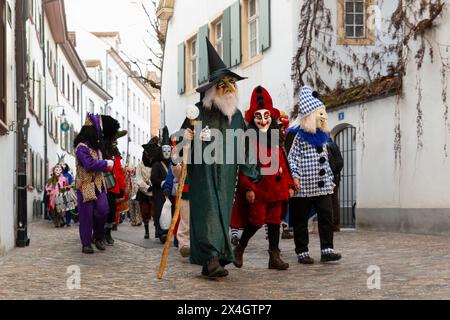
column 123, row 91
column 218, row 38
column 117, row 86
column 355, row 19
column 253, row 27
column 193, row 62
column 91, row 106
column 109, row 79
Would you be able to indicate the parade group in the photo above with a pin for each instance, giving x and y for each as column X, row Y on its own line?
column 222, row 205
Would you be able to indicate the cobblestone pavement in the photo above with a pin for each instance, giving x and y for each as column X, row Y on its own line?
column 412, row 267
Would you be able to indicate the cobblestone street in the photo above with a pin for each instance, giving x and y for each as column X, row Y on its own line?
column 412, row 266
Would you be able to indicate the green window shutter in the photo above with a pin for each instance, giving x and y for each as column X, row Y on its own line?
column 202, row 54
column 235, row 24
column 226, row 36
column 181, row 69
column 264, row 24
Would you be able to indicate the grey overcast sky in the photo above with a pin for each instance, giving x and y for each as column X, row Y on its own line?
column 126, row 16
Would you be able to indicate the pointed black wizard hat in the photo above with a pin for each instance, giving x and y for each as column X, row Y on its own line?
column 165, row 141
column 217, row 69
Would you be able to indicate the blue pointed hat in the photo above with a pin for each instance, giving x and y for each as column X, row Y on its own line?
column 308, row 101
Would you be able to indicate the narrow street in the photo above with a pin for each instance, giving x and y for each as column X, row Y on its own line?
column 412, row 267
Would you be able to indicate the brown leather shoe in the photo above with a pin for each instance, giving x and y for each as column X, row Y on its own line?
column 238, row 256
column 275, row 261
column 213, row 269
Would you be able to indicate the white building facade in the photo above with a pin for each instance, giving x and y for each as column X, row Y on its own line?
column 7, row 127
column 247, row 34
column 395, row 146
column 132, row 100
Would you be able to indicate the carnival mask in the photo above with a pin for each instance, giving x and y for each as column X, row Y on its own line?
column 166, row 151
column 226, row 85
column 322, row 120
column 57, row 171
column 263, row 119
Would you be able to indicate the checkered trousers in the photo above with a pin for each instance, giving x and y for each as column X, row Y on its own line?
column 310, row 165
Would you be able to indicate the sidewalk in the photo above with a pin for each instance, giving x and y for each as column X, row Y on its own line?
column 412, row 267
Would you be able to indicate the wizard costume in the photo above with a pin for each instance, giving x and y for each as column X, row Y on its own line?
column 309, row 163
column 271, row 192
column 212, row 185
column 91, row 190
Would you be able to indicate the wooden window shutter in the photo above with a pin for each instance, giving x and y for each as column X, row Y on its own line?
column 264, row 24
column 226, row 36
column 181, row 68
column 235, row 29
column 202, row 55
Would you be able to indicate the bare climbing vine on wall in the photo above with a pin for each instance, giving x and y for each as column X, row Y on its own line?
column 410, row 23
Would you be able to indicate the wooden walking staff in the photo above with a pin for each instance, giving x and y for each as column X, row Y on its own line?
column 192, row 114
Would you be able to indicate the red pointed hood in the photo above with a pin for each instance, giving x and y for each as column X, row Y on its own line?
column 261, row 99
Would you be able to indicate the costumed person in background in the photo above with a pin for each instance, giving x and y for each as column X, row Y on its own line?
column 55, row 185
column 143, row 179
column 69, row 178
column 91, row 189
column 286, row 222
column 313, row 178
column 212, row 184
column 116, row 183
column 160, row 168
column 131, row 190
column 336, row 164
column 181, row 230
column 271, row 194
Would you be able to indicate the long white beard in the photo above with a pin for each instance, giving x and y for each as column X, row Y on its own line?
column 227, row 104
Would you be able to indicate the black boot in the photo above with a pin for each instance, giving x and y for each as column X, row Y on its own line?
column 238, row 251
column 108, row 237
column 147, row 234
column 99, row 245
column 275, row 261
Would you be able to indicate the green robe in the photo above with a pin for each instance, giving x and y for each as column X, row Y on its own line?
column 211, row 192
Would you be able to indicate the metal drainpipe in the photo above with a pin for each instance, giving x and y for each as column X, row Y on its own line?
column 44, row 59
column 22, row 239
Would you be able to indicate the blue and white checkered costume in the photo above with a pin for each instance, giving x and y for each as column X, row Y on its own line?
column 307, row 102
column 304, row 161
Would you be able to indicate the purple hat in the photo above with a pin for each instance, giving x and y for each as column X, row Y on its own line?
column 93, row 120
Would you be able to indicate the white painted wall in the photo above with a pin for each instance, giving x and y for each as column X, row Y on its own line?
column 273, row 71
column 7, row 145
column 92, row 47
column 36, row 128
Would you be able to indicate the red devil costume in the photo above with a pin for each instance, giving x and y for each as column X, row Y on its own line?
column 264, row 202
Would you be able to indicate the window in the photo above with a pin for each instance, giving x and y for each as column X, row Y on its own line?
column 218, row 38
column 353, row 22
column 2, row 64
column 134, row 102
column 91, row 106
column 354, row 19
column 253, row 27
column 78, row 100
column 134, row 133
column 63, row 76
column 68, row 88
column 123, row 92
column 139, row 136
column 139, row 106
column 109, row 80
column 123, row 122
column 117, row 86
column 73, row 94
column 192, row 63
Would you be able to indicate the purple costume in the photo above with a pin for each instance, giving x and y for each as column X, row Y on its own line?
column 92, row 201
